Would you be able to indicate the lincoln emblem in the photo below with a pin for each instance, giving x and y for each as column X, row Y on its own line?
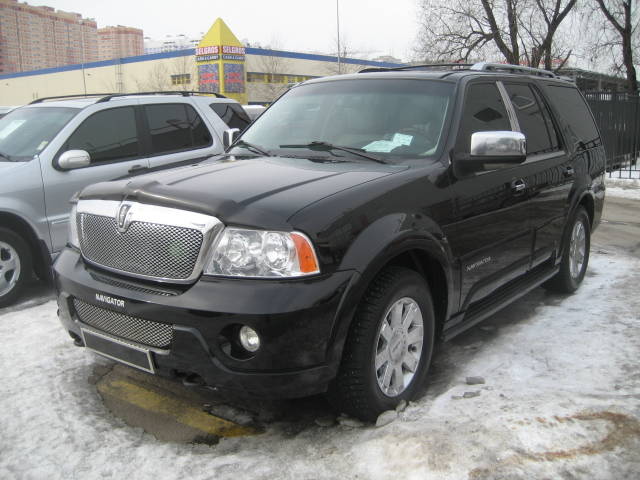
column 123, row 218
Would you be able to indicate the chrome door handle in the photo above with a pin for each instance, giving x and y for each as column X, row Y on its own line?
column 518, row 186
column 568, row 172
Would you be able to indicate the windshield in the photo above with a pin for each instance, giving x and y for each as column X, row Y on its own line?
column 25, row 132
column 392, row 119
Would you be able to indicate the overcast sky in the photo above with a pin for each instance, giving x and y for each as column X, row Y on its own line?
column 369, row 27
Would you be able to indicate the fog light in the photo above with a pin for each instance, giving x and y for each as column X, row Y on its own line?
column 249, row 339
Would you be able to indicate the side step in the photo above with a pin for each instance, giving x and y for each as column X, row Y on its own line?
column 510, row 292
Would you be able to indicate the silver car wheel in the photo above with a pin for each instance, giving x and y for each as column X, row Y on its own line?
column 577, row 249
column 9, row 268
column 399, row 346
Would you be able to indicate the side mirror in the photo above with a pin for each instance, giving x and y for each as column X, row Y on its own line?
column 74, row 159
column 229, row 136
column 496, row 149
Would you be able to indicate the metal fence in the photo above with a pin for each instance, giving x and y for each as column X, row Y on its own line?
column 617, row 116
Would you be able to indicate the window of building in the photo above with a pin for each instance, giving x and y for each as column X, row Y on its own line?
column 174, row 127
column 181, row 79
column 108, row 135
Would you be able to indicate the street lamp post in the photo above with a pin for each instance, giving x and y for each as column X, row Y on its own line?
column 338, row 29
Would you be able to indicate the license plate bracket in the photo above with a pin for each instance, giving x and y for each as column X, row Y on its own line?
column 120, row 351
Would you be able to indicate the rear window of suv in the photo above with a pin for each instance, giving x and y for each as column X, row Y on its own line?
column 175, row 127
column 574, row 109
column 231, row 114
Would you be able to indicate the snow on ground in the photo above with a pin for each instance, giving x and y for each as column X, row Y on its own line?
column 561, row 400
column 624, row 184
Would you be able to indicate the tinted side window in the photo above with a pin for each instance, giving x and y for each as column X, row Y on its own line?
column 483, row 111
column 108, row 135
column 232, row 114
column 575, row 111
column 174, row 127
column 530, row 117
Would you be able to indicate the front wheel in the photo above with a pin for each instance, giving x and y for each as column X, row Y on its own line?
column 388, row 348
column 15, row 266
column 575, row 259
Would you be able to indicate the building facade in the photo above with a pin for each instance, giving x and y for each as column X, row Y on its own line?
column 40, row 37
column 171, row 43
column 119, row 42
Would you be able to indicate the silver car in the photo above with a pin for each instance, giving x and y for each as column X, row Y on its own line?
column 51, row 149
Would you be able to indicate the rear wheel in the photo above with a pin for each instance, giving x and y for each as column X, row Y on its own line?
column 388, row 348
column 15, row 266
column 575, row 260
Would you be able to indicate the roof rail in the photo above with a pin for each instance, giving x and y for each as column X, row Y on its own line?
column 452, row 66
column 189, row 93
column 501, row 67
column 79, row 95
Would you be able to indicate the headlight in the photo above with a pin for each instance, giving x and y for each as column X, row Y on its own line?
column 258, row 253
column 73, row 228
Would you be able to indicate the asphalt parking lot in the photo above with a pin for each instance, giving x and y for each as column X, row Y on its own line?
column 560, row 399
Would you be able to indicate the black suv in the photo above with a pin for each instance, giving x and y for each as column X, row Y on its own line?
column 360, row 219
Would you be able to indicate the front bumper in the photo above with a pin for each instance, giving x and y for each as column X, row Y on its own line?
column 296, row 321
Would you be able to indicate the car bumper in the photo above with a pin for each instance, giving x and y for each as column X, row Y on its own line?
column 296, row 321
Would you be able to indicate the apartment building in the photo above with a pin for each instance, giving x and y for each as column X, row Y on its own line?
column 120, row 42
column 33, row 38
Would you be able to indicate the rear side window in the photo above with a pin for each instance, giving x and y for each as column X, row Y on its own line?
column 541, row 137
column 109, row 135
column 575, row 111
column 483, row 111
column 174, row 127
column 232, row 114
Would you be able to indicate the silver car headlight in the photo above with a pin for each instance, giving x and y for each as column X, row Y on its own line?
column 260, row 253
column 73, row 228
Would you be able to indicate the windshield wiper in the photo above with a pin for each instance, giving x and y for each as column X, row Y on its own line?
column 326, row 146
column 5, row 156
column 252, row 147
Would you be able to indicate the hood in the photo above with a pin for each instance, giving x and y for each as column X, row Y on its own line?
column 263, row 191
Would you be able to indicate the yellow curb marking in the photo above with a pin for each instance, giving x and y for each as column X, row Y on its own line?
column 179, row 410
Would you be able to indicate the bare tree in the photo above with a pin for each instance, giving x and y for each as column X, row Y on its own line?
column 184, row 70
column 518, row 31
column 158, row 79
column 345, row 51
column 274, row 68
column 621, row 16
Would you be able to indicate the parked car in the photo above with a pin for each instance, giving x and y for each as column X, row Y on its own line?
column 52, row 148
column 358, row 221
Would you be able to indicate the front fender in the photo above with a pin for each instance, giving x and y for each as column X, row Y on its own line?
column 378, row 244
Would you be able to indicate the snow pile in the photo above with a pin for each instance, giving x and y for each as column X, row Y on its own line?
column 559, row 400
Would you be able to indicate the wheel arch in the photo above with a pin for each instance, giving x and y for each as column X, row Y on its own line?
column 420, row 251
column 38, row 249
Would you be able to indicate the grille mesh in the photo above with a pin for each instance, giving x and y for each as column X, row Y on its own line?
column 131, row 328
column 151, row 249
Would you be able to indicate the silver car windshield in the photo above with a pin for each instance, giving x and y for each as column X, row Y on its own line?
column 25, row 132
column 389, row 119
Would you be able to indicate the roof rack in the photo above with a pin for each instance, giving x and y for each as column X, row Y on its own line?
column 452, row 66
column 480, row 67
column 108, row 96
column 170, row 92
column 502, row 67
column 79, row 95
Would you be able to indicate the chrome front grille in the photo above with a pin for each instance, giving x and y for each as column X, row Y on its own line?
column 145, row 241
column 136, row 329
column 148, row 249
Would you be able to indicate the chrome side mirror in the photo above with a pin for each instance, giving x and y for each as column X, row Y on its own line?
column 501, row 146
column 229, row 136
column 74, row 159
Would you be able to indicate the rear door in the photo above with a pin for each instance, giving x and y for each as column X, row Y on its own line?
column 550, row 171
column 111, row 138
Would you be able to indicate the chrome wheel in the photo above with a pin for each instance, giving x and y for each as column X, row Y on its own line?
column 9, row 268
column 577, row 249
column 399, row 346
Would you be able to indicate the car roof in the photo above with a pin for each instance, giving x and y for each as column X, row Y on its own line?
column 83, row 102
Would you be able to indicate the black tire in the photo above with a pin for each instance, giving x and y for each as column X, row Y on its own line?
column 564, row 281
column 14, row 279
column 356, row 389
